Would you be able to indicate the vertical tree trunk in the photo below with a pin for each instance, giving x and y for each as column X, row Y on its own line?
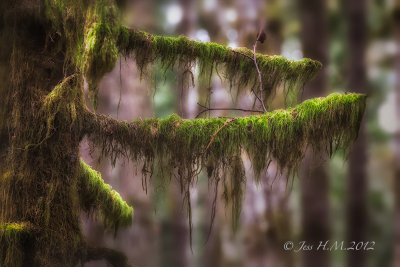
column 185, row 27
column 314, row 178
column 277, row 209
column 357, row 180
column 36, row 175
column 175, row 229
column 396, row 17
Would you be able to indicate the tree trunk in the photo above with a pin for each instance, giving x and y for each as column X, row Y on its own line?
column 313, row 174
column 37, row 182
column 357, row 180
column 174, row 228
column 396, row 261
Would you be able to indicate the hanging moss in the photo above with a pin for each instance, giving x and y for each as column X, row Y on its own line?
column 96, row 195
column 237, row 64
column 325, row 124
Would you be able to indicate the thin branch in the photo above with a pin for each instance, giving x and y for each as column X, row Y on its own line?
column 243, row 54
column 238, row 109
column 254, row 59
column 214, row 135
column 259, row 77
column 258, row 70
column 120, row 84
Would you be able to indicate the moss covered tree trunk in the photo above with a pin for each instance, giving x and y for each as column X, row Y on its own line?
column 38, row 178
column 314, row 177
column 40, row 167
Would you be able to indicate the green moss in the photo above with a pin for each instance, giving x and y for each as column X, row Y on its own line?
column 14, row 230
column 96, row 38
column 100, row 43
column 63, row 101
column 96, row 195
column 92, row 30
column 282, row 136
column 12, row 239
column 237, row 67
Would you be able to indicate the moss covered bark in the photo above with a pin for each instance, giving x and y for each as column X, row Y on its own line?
column 95, row 195
column 324, row 124
column 52, row 46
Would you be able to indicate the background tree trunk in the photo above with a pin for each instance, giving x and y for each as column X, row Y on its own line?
column 313, row 174
column 357, row 179
column 175, row 244
column 396, row 18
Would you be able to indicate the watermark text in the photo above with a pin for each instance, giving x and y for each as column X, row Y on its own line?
column 329, row 245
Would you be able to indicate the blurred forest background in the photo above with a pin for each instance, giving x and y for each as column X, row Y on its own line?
column 340, row 199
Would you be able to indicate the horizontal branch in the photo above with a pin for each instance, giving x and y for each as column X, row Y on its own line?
column 280, row 135
column 15, row 230
column 12, row 239
column 237, row 64
column 96, row 195
column 325, row 124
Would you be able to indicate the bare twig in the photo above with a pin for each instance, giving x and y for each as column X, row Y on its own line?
column 238, row 109
column 260, row 97
column 214, row 135
column 259, row 77
column 243, row 54
column 120, row 88
column 258, row 70
column 254, row 59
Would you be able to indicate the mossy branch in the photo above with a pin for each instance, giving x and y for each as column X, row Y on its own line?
column 238, row 65
column 96, row 195
column 96, row 38
column 12, row 238
column 325, row 124
column 65, row 100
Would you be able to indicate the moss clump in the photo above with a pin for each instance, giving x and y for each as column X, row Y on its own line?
column 91, row 29
column 13, row 237
column 63, row 100
column 94, row 194
column 325, row 124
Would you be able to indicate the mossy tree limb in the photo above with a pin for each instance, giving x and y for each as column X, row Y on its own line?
column 325, row 124
column 13, row 243
column 96, row 37
column 237, row 65
column 95, row 195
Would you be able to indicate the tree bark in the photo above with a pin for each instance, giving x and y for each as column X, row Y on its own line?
column 396, row 18
column 174, row 227
column 314, row 178
column 357, row 178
